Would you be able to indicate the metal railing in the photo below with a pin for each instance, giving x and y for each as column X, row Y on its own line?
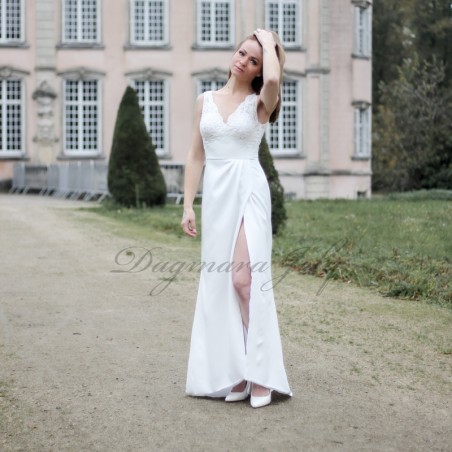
column 26, row 178
column 85, row 180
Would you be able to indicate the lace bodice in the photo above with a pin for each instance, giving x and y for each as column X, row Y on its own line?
column 237, row 137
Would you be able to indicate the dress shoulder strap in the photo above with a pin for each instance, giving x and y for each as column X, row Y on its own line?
column 254, row 104
column 207, row 98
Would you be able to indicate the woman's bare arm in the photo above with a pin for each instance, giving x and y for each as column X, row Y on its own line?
column 270, row 70
column 193, row 169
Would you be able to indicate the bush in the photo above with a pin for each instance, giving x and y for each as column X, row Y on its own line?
column 279, row 214
column 134, row 175
column 412, row 144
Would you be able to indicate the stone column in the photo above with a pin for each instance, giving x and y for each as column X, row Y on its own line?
column 317, row 89
column 45, row 93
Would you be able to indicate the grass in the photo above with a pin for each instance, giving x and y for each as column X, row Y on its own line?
column 445, row 195
column 159, row 223
column 401, row 248
column 398, row 245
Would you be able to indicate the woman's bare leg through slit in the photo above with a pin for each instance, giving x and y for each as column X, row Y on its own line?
column 241, row 278
column 241, row 275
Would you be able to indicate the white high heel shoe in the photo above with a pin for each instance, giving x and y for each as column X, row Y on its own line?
column 260, row 401
column 238, row 396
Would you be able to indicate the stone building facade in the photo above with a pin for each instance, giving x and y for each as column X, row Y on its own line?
column 64, row 65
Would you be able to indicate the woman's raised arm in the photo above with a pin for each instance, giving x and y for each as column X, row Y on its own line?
column 271, row 71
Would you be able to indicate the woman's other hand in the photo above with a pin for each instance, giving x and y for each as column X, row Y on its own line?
column 188, row 222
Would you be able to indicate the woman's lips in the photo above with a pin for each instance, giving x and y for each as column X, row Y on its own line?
column 238, row 68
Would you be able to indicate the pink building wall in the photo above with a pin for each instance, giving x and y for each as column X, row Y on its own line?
column 331, row 80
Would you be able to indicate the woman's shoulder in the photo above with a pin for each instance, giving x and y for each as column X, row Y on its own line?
column 199, row 104
column 200, row 98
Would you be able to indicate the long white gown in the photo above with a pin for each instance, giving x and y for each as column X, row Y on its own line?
column 234, row 187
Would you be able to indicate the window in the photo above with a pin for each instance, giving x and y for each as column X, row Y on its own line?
column 149, row 22
column 11, row 117
column 362, row 132
column 11, row 21
column 284, row 18
column 363, row 31
column 81, row 21
column 81, row 109
column 210, row 80
column 284, row 133
column 210, row 85
column 153, row 99
column 214, row 23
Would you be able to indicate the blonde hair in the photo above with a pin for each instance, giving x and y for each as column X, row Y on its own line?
column 258, row 82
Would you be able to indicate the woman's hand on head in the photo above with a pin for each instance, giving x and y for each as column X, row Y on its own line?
column 188, row 222
column 264, row 37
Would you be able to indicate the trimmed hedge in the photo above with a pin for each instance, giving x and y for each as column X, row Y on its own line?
column 279, row 214
column 134, row 174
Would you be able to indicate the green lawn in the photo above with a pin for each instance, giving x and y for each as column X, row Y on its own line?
column 400, row 246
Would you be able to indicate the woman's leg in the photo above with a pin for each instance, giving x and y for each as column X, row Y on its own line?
column 241, row 278
column 241, row 275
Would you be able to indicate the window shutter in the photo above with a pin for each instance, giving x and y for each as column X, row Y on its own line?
column 369, row 31
column 368, row 135
column 357, row 131
column 357, row 26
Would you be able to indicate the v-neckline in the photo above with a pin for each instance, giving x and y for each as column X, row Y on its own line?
column 233, row 112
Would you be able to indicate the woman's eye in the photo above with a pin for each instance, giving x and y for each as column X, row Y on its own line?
column 240, row 52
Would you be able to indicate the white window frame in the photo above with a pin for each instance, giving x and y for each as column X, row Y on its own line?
column 363, row 131
column 4, row 152
column 299, row 20
column 363, row 30
column 213, row 42
column 161, row 152
column 4, row 22
column 79, row 39
column 216, row 82
column 81, row 152
column 280, row 150
column 147, row 41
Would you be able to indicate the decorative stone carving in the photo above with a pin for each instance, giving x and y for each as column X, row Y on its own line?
column 361, row 104
column 362, row 3
column 214, row 74
column 148, row 74
column 44, row 97
column 81, row 73
column 5, row 72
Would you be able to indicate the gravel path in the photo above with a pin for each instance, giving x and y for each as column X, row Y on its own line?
column 90, row 361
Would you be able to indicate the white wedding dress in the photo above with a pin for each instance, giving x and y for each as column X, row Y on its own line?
column 234, row 187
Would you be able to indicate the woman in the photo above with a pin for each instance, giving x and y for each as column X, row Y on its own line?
column 235, row 348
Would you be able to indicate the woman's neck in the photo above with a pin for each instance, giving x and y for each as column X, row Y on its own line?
column 234, row 87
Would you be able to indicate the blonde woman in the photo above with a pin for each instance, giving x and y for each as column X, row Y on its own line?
column 235, row 348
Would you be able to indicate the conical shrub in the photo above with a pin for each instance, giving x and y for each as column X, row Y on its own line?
column 134, row 174
column 279, row 214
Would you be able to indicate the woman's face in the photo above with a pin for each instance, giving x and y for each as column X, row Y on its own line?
column 247, row 61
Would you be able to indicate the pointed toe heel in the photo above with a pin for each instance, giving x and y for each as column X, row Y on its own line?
column 238, row 396
column 260, row 401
